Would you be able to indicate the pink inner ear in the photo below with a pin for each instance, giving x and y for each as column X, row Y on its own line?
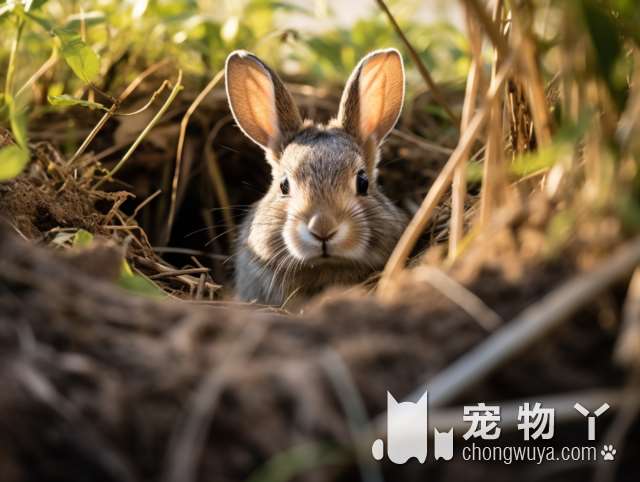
column 381, row 92
column 253, row 99
column 261, row 99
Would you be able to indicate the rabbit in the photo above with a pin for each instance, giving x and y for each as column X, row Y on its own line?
column 324, row 220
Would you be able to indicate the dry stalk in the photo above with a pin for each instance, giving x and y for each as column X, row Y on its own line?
column 44, row 68
column 424, row 72
column 533, row 324
column 215, row 173
column 526, row 63
column 421, row 143
column 491, row 29
column 535, row 86
column 112, row 110
column 459, row 186
column 436, row 192
column 493, row 178
column 156, row 118
column 144, row 203
column 457, row 293
column 180, row 149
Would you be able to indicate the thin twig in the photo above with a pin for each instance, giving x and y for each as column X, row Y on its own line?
column 112, row 110
column 51, row 61
column 215, row 173
column 174, row 92
column 422, row 143
column 140, row 206
column 154, row 96
column 181, row 139
column 488, row 319
column 141, row 78
column 94, row 132
column 184, row 279
column 178, row 272
column 424, row 72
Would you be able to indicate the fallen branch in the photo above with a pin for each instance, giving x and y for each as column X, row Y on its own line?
column 530, row 326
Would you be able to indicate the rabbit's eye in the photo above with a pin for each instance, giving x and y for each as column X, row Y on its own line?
column 284, row 186
column 362, row 182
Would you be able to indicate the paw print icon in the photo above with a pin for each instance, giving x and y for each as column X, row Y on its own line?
column 608, row 452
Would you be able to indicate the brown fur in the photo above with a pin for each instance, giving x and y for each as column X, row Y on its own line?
column 278, row 261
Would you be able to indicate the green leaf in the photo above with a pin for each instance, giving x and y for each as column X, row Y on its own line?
column 128, row 280
column 88, row 18
column 30, row 5
column 66, row 100
column 84, row 62
column 45, row 24
column 18, row 126
column 82, row 239
column 13, row 159
column 138, row 283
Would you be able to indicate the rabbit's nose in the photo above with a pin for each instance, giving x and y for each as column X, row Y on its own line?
column 322, row 227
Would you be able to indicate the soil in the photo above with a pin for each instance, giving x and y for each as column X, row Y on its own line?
column 109, row 383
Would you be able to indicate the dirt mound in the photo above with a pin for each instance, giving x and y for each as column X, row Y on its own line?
column 127, row 388
column 37, row 210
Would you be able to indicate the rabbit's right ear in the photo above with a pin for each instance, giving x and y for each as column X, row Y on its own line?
column 372, row 100
column 260, row 103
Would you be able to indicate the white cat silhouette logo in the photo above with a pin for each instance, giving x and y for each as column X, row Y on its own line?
column 406, row 431
column 443, row 444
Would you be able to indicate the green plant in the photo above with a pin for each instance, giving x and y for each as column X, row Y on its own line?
column 82, row 60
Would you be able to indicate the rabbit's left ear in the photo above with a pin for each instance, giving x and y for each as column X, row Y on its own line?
column 372, row 99
column 260, row 103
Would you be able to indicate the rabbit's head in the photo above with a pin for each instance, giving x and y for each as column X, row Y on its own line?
column 324, row 204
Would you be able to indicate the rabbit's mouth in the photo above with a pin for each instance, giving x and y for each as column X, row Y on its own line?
column 328, row 260
column 339, row 245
